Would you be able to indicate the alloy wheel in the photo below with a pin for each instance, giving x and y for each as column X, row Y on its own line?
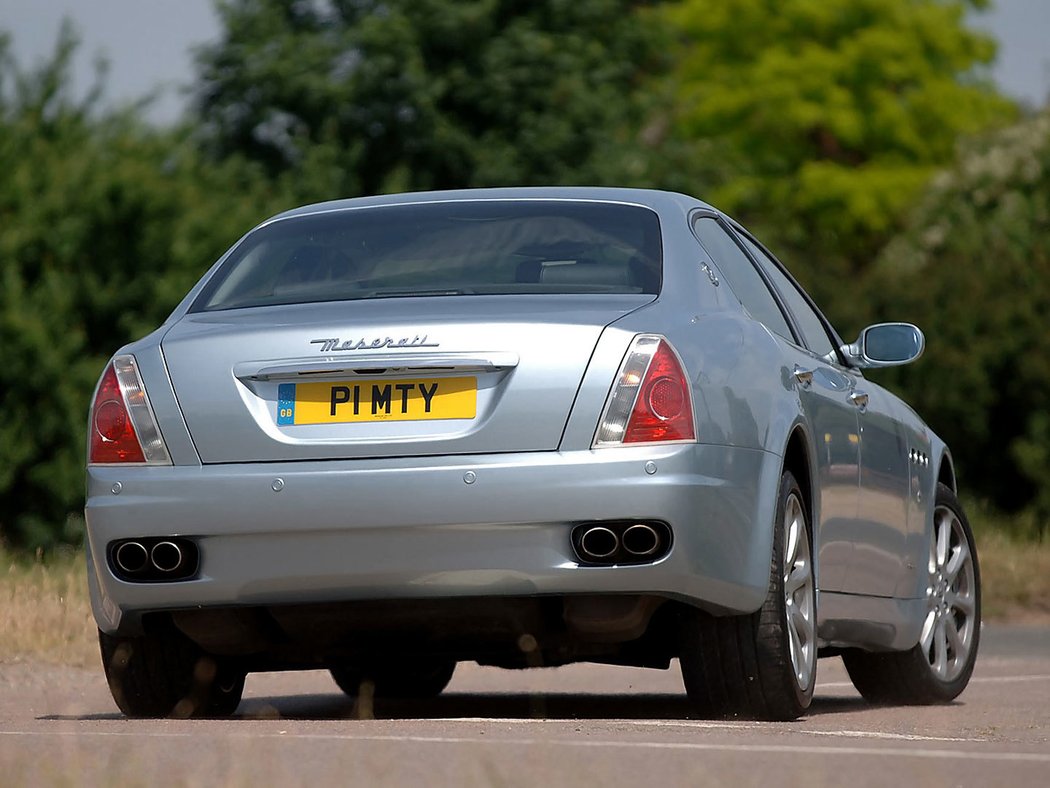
column 948, row 630
column 799, row 593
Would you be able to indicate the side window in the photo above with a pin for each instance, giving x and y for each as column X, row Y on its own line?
column 809, row 322
column 743, row 278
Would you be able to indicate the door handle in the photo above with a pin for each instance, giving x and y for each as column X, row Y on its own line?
column 804, row 377
column 860, row 399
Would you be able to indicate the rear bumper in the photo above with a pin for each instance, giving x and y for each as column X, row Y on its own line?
column 414, row 529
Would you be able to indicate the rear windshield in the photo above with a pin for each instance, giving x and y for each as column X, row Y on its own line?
column 443, row 248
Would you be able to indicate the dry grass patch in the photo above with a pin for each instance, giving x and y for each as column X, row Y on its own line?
column 1015, row 578
column 44, row 611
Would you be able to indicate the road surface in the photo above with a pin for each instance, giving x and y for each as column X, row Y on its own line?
column 579, row 725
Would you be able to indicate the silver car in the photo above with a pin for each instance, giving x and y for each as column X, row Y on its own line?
column 522, row 427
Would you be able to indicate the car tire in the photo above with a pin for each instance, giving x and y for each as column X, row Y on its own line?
column 761, row 665
column 164, row 674
column 399, row 680
column 939, row 666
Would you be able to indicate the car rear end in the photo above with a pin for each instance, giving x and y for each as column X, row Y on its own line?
column 451, row 421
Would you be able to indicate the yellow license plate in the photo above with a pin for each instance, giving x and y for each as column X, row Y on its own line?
column 340, row 401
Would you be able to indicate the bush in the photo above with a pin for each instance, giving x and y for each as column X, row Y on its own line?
column 974, row 271
column 104, row 224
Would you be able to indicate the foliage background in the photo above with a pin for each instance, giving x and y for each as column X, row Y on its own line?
column 859, row 138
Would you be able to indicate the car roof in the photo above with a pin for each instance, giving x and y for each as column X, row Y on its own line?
column 659, row 201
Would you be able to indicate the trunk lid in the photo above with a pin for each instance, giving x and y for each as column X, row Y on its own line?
column 385, row 377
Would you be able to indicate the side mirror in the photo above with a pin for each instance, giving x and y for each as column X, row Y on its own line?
column 886, row 345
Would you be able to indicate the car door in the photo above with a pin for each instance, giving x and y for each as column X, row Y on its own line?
column 880, row 541
column 824, row 388
column 878, row 531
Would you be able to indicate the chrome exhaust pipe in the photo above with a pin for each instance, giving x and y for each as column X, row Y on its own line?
column 599, row 542
column 131, row 557
column 641, row 540
column 166, row 556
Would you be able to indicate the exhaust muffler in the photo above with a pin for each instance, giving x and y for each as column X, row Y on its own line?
column 599, row 542
column 627, row 542
column 131, row 557
column 166, row 557
column 641, row 540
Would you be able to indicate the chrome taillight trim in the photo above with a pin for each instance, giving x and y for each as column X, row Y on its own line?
column 140, row 411
column 625, row 389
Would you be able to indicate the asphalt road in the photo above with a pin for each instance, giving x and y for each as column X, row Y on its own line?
column 581, row 725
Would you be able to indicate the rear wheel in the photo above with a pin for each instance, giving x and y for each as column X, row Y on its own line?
column 164, row 673
column 761, row 665
column 417, row 680
column 939, row 666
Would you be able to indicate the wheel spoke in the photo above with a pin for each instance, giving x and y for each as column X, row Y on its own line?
column 800, row 630
column 791, row 550
column 800, row 622
column 960, row 559
column 940, row 649
column 944, row 529
column 961, row 602
column 959, row 648
column 926, row 638
column 797, row 578
column 796, row 645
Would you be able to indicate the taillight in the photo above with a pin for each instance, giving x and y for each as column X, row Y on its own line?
column 122, row 426
column 651, row 401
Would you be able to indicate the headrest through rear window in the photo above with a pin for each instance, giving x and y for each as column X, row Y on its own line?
column 581, row 273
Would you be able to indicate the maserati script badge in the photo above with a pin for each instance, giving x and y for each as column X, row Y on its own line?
column 334, row 344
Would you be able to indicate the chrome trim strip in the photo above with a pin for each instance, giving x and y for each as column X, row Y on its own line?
column 390, row 363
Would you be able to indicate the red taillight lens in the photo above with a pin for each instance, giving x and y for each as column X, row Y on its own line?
column 662, row 411
column 651, row 399
column 123, row 427
column 665, row 397
column 113, row 438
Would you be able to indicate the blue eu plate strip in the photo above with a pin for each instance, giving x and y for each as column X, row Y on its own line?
column 286, row 404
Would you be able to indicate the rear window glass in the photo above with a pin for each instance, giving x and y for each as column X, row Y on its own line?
column 444, row 248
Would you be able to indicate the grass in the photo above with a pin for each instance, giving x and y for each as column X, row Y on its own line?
column 45, row 613
column 44, row 610
column 1015, row 567
column 1015, row 578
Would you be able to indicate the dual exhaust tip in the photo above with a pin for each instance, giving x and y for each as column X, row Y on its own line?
column 620, row 543
column 154, row 559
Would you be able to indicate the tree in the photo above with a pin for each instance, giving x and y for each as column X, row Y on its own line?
column 103, row 227
column 819, row 121
column 105, row 223
column 416, row 94
column 973, row 269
